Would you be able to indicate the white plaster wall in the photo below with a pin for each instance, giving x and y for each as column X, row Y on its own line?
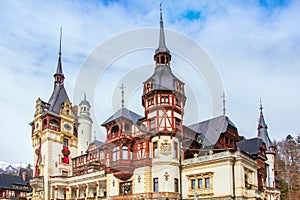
column 221, row 182
column 139, row 187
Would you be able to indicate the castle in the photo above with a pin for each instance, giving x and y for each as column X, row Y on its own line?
column 154, row 156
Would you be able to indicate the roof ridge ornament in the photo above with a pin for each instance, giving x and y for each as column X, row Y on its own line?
column 224, row 103
column 260, row 107
column 122, row 93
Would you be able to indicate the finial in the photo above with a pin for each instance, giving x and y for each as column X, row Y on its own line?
column 260, row 107
column 84, row 96
column 224, row 103
column 59, row 64
column 122, row 92
column 160, row 8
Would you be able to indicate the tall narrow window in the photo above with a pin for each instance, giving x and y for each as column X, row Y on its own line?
column 65, row 142
column 175, row 149
column 116, row 152
column 176, row 185
column 193, row 184
column 200, row 183
column 155, row 150
column 207, row 182
column 124, row 152
column 155, row 185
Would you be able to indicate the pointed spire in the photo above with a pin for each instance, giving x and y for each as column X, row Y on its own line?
column 162, row 48
column 122, row 93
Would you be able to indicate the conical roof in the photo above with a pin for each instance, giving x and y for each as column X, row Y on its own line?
column 263, row 131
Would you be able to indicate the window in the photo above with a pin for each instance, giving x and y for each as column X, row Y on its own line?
column 200, row 183
column 207, row 182
column 64, row 173
column 155, row 185
column 175, row 149
column 116, row 153
column 155, row 150
column 65, row 142
column 193, row 184
column 152, row 123
column 127, row 127
column 164, row 100
column 126, row 188
column 115, row 129
column 124, row 152
column 151, row 102
column 177, row 123
column 176, row 185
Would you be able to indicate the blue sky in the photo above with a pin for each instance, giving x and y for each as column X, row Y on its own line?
column 255, row 46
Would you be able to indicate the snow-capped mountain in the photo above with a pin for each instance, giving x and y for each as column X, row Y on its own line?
column 10, row 167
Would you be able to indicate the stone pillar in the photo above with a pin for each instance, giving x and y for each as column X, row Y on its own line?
column 86, row 191
column 77, row 192
column 98, row 189
column 56, row 193
column 69, row 193
column 51, row 193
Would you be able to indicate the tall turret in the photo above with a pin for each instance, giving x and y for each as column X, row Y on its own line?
column 271, row 150
column 53, row 135
column 84, row 127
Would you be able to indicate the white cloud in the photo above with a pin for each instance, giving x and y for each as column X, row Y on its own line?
column 254, row 48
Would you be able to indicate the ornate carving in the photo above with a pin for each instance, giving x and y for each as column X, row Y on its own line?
column 165, row 148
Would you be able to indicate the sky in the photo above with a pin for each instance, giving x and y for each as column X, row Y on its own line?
column 253, row 45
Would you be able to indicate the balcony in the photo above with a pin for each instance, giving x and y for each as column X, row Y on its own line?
column 37, row 184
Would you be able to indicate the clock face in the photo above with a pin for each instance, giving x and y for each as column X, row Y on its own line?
column 67, row 126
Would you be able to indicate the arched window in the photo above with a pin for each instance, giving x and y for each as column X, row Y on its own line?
column 125, row 152
column 45, row 122
column 115, row 129
column 162, row 60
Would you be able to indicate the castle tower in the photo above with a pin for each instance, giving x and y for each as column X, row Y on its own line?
column 84, row 127
column 163, row 100
column 53, row 136
column 271, row 150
